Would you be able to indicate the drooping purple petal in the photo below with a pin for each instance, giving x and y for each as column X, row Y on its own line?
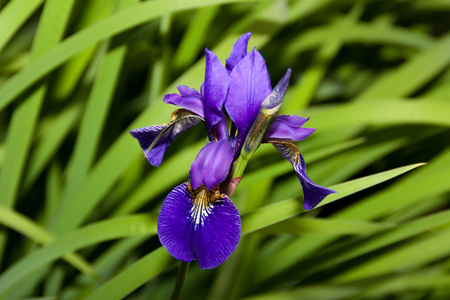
column 249, row 86
column 189, row 99
column 289, row 127
column 215, row 89
column 313, row 193
column 146, row 136
column 238, row 52
column 212, row 164
column 195, row 227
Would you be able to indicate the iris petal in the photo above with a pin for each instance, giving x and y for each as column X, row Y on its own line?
column 313, row 193
column 249, row 86
column 212, row 164
column 289, row 127
column 238, row 52
column 166, row 133
column 200, row 225
column 189, row 99
column 215, row 89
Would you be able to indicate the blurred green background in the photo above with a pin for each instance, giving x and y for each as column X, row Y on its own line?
column 79, row 203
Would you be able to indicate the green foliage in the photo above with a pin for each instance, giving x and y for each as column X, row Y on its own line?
column 79, row 203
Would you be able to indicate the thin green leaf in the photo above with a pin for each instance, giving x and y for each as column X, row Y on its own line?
column 282, row 210
column 388, row 112
column 127, row 18
column 90, row 235
column 51, row 133
column 134, row 276
column 347, row 32
column 312, row 292
column 325, row 227
column 73, row 70
column 403, row 232
column 13, row 16
column 194, row 37
column 425, row 66
column 93, row 120
column 27, row 227
column 426, row 182
column 404, row 257
column 427, row 280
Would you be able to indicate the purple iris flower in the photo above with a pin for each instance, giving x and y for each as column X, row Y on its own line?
column 198, row 221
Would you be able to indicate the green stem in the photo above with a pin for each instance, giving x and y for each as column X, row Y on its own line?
column 182, row 271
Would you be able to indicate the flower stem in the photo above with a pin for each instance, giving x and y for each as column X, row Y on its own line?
column 182, row 271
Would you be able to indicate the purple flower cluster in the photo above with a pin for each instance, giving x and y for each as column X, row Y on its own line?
column 198, row 221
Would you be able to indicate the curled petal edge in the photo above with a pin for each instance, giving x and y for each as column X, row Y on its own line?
column 154, row 140
column 312, row 192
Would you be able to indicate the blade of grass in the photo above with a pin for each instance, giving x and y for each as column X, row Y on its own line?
column 159, row 69
column 108, row 264
column 357, row 33
column 72, row 72
column 300, row 95
column 30, row 229
column 400, row 83
column 93, row 122
column 285, row 209
column 381, row 113
column 405, row 257
column 90, row 235
column 24, row 119
column 310, row 292
column 194, row 37
column 134, row 276
column 428, row 280
column 401, row 233
column 426, row 182
column 325, row 227
column 13, row 16
column 51, row 133
column 118, row 22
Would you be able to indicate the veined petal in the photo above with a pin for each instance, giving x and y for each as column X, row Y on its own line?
column 199, row 225
column 189, row 99
column 313, row 193
column 249, row 86
column 212, row 164
column 215, row 89
column 289, row 127
column 238, row 52
column 165, row 133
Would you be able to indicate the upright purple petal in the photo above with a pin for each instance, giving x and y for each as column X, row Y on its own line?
column 165, row 132
column 289, row 127
column 212, row 164
column 249, row 86
column 238, row 52
column 215, row 89
column 313, row 193
column 200, row 225
column 189, row 99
